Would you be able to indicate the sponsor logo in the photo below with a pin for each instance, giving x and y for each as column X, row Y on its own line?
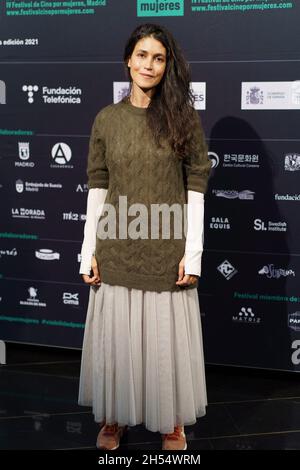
column 19, row 186
column 35, row 187
column 234, row 160
column 33, row 300
column 82, row 188
column 294, row 321
column 214, row 159
column 260, row 225
column 61, row 154
column 292, row 162
column 287, row 197
column 270, row 95
column 267, row 297
column 24, row 213
column 254, row 95
column 59, row 95
column 12, row 252
column 24, row 154
column 233, row 194
column 275, row 273
column 120, row 90
column 74, row 216
column 295, row 92
column 2, row 92
column 70, row 299
column 227, row 270
column 219, row 223
column 198, row 90
column 246, row 315
column 46, row 255
column 23, row 150
column 295, row 358
column 160, row 8
column 30, row 90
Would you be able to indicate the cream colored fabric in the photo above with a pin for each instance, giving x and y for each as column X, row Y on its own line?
column 142, row 358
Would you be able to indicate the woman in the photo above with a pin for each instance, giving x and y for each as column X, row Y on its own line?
column 142, row 358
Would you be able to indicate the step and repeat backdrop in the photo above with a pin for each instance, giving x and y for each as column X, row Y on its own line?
column 60, row 63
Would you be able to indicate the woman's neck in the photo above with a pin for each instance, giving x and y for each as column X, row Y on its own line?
column 139, row 98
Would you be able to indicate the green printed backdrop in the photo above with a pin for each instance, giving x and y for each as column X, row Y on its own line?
column 60, row 63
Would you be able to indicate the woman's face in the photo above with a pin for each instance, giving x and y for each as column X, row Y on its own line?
column 147, row 63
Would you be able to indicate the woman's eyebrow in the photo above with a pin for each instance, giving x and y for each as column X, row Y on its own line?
column 159, row 53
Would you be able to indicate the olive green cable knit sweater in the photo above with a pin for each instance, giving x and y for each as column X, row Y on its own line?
column 124, row 159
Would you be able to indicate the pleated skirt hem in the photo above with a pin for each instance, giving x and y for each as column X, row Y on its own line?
column 142, row 358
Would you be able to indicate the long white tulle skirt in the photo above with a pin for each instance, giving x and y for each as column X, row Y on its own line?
column 142, row 357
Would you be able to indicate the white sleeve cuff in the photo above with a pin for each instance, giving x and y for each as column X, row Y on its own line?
column 95, row 202
column 195, row 233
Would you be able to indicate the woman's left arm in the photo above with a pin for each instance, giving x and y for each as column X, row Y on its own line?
column 195, row 233
column 196, row 171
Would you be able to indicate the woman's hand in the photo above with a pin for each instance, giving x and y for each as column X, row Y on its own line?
column 95, row 279
column 185, row 279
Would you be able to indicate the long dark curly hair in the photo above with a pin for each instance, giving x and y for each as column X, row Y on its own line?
column 170, row 110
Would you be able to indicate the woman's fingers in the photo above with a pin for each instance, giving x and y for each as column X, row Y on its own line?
column 184, row 279
column 187, row 280
column 181, row 269
column 93, row 280
column 95, row 270
column 87, row 279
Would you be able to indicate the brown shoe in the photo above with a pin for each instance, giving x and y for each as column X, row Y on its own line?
column 109, row 436
column 175, row 440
